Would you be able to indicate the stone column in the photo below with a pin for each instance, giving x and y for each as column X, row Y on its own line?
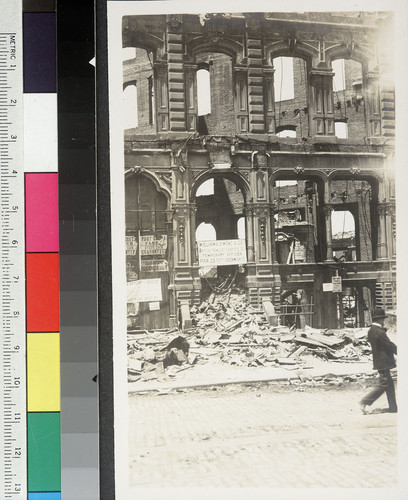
column 371, row 95
column 382, row 209
column 241, row 100
column 273, row 242
column 193, row 211
column 161, row 96
column 249, row 213
column 175, row 60
column 327, row 210
column 191, row 96
column 255, row 75
column 269, row 99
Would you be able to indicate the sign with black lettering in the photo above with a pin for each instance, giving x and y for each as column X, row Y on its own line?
column 221, row 253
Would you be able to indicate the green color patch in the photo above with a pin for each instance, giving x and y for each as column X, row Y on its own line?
column 44, row 451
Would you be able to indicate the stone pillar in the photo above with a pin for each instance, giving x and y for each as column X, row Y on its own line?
column 161, row 96
column 321, row 109
column 249, row 213
column 255, row 75
column 269, row 100
column 273, row 242
column 241, row 100
column 193, row 211
column 382, row 209
column 371, row 96
column 327, row 210
column 175, row 60
column 191, row 96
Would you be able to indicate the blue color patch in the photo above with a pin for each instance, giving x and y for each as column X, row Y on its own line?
column 40, row 52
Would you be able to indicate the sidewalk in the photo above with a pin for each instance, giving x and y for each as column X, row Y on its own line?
column 217, row 373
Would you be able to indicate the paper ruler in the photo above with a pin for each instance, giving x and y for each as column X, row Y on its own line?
column 13, row 456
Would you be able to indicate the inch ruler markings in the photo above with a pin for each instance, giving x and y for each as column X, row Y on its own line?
column 13, row 449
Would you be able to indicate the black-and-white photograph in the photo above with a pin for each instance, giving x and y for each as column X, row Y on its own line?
column 254, row 248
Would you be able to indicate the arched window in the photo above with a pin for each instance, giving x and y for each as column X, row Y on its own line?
column 343, row 235
column 241, row 231
column 205, row 232
column 130, row 106
column 203, row 92
column 283, row 79
column 206, row 188
column 339, row 78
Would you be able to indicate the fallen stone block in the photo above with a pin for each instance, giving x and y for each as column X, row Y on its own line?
column 135, row 365
column 270, row 313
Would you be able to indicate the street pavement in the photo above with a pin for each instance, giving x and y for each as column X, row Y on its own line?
column 263, row 435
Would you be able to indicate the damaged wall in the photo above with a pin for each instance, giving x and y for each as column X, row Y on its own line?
column 237, row 145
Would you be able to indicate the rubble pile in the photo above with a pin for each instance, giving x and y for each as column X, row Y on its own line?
column 226, row 329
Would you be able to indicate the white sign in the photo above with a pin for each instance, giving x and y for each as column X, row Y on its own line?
column 154, row 306
column 221, row 253
column 327, row 287
column 337, row 286
column 149, row 245
column 131, row 245
column 144, row 290
column 154, row 265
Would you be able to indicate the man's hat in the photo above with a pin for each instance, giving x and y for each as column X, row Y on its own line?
column 379, row 313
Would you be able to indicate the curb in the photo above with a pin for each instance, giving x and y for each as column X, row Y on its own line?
column 244, row 381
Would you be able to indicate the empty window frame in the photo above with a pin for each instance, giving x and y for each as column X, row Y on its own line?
column 203, row 92
column 130, row 106
column 341, row 129
column 283, row 79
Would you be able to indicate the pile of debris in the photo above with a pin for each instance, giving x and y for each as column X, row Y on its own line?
column 226, row 329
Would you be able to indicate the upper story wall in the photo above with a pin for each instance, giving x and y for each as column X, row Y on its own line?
column 240, row 50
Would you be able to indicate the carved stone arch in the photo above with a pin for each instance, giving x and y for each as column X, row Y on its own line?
column 281, row 49
column 147, row 41
column 161, row 185
column 357, row 174
column 237, row 178
column 290, row 174
column 342, row 51
column 218, row 44
column 374, row 177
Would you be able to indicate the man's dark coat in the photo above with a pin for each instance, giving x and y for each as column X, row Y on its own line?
column 383, row 349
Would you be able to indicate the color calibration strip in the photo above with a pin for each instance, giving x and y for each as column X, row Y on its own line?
column 42, row 255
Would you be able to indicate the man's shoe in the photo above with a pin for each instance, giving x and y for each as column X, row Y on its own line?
column 392, row 410
column 364, row 409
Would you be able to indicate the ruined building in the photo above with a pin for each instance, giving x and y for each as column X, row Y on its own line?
column 244, row 124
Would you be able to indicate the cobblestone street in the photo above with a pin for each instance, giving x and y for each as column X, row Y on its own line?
column 264, row 436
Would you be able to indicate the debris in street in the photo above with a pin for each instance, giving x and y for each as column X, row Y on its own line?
column 227, row 329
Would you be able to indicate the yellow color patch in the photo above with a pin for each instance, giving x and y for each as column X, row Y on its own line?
column 43, row 372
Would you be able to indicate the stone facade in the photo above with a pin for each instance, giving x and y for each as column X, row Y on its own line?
column 237, row 145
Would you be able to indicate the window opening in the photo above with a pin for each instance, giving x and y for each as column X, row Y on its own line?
column 283, row 79
column 130, row 106
column 206, row 188
column 128, row 53
column 206, row 232
column 294, row 237
column 203, row 92
column 341, row 129
column 339, row 80
column 343, row 236
column 241, row 228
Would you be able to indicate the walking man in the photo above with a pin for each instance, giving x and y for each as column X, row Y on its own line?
column 383, row 351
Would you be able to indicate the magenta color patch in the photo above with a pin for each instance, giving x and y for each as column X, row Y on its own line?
column 41, row 212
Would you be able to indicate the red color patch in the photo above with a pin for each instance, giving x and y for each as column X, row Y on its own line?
column 42, row 292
